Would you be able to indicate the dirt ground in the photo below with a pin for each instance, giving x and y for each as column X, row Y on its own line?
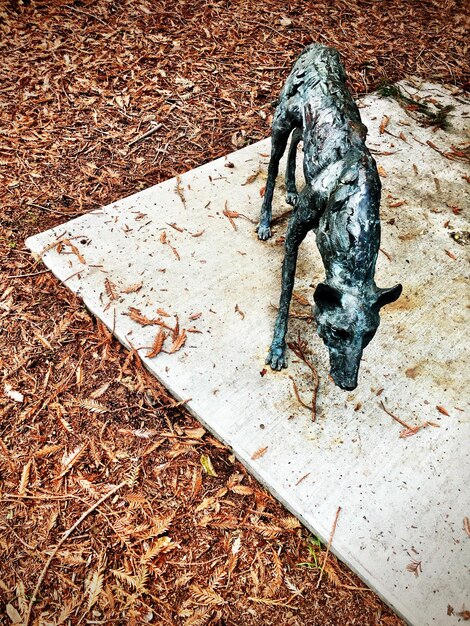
column 110, row 509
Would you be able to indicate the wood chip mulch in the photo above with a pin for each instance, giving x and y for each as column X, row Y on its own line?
column 116, row 506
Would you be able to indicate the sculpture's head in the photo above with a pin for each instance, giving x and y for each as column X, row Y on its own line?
column 347, row 321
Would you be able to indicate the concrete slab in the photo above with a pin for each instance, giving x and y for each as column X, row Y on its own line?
column 403, row 500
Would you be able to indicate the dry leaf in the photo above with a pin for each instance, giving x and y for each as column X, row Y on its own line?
column 74, row 249
column 111, row 289
column 252, row 178
column 414, row 567
column 13, row 614
column 137, row 316
column 231, row 215
column 157, row 344
column 383, row 124
column 24, row 478
column 93, row 406
column 466, row 525
column 93, row 587
column 442, row 410
column 297, row 296
column 12, row 394
column 133, row 288
column 179, row 342
column 239, row 311
column 100, row 391
column 207, row 465
column 47, row 450
column 259, row 453
column 176, row 227
column 69, row 460
column 242, row 490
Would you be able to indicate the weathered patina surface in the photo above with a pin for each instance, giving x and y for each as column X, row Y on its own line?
column 340, row 202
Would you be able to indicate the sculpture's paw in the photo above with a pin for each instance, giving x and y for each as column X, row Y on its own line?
column 277, row 358
column 292, row 197
column 264, row 231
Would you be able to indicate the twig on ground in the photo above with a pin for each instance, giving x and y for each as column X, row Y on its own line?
column 409, row 430
column 65, row 536
column 149, row 133
column 297, row 348
column 27, row 275
column 330, row 540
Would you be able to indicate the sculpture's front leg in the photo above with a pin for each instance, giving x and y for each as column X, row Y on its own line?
column 295, row 234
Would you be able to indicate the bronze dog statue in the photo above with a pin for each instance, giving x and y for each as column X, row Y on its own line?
column 340, row 202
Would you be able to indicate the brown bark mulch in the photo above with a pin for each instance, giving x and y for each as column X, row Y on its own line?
column 116, row 506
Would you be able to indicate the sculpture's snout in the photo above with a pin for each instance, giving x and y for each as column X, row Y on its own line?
column 346, row 384
column 344, row 370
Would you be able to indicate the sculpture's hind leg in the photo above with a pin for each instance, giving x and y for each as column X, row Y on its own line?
column 280, row 135
column 291, row 187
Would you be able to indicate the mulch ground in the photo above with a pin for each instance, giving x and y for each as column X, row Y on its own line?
column 109, row 511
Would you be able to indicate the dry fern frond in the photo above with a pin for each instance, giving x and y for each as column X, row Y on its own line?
column 93, row 587
column 122, row 530
column 135, row 499
column 278, row 569
column 132, row 475
column 292, row 588
column 269, row 531
column 52, row 520
column 142, row 579
column 332, row 575
column 289, row 523
column 242, row 490
column 93, row 406
column 69, row 460
column 48, row 450
column 126, row 577
column 206, row 596
column 235, row 479
column 68, row 608
column 200, row 617
column 218, row 576
column 89, row 488
column 21, row 597
column 159, row 526
column 24, row 478
column 162, row 544
column 210, row 501
column 183, row 579
column 157, row 344
column 111, row 289
column 100, row 391
column 64, row 423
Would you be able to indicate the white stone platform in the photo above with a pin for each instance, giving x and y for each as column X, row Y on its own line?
column 403, row 500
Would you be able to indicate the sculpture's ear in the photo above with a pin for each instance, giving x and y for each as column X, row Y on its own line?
column 387, row 296
column 326, row 296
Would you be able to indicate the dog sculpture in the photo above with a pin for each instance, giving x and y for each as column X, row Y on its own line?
column 340, row 202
